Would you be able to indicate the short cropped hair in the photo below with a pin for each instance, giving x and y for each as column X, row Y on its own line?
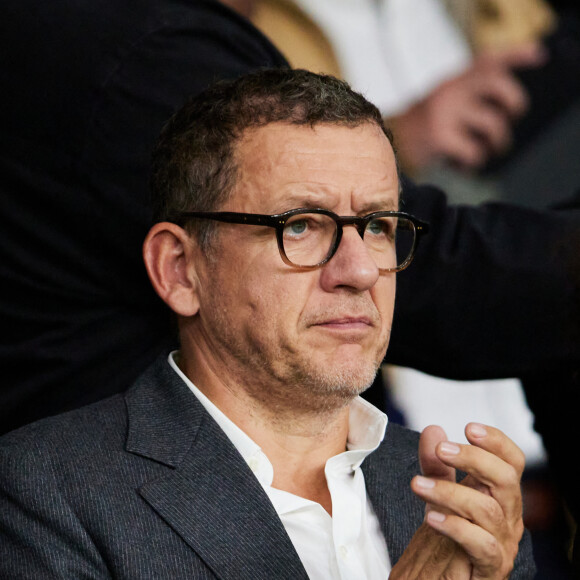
column 193, row 165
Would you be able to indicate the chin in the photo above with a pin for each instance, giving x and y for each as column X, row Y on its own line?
column 344, row 381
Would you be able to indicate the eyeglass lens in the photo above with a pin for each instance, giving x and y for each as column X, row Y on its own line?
column 308, row 239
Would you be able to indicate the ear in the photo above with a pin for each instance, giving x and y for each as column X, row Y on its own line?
column 168, row 252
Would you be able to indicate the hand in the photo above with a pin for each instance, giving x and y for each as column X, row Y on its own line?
column 431, row 555
column 483, row 514
column 468, row 118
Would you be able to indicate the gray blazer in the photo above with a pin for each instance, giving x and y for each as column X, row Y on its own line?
column 146, row 485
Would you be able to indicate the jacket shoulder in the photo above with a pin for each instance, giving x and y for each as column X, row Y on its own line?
column 68, row 435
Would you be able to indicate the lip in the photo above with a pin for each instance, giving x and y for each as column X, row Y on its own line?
column 346, row 323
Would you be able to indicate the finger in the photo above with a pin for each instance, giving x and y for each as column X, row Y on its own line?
column 470, row 481
column 445, row 557
column 496, row 442
column 468, row 513
column 490, row 558
column 526, row 55
column 463, row 149
column 459, row 566
column 492, row 457
column 502, row 478
column 491, row 125
column 501, row 446
column 431, row 465
column 484, row 510
column 504, row 90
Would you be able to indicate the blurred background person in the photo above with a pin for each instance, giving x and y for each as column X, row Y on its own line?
column 479, row 93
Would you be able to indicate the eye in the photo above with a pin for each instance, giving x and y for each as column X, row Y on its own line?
column 375, row 227
column 310, row 234
column 381, row 227
column 296, row 227
column 307, row 225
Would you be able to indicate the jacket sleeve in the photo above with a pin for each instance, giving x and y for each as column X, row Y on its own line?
column 80, row 115
column 524, row 565
column 492, row 292
column 40, row 535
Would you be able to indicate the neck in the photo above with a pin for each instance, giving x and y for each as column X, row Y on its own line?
column 298, row 442
column 299, row 458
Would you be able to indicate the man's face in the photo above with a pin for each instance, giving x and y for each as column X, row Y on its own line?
column 291, row 336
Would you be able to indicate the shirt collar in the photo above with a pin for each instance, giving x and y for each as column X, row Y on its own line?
column 247, row 448
column 366, row 430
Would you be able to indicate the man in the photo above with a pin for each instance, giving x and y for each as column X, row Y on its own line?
column 86, row 91
column 240, row 455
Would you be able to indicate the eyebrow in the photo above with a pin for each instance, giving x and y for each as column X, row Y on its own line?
column 388, row 205
column 294, row 202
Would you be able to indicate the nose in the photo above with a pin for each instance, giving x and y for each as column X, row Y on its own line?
column 351, row 266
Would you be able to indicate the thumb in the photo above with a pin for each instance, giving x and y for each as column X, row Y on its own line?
column 431, row 465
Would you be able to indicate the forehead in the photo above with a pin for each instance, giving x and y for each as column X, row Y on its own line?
column 345, row 169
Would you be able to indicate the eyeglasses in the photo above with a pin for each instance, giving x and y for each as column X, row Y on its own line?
column 308, row 238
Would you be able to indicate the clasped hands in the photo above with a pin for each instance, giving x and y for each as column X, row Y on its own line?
column 471, row 529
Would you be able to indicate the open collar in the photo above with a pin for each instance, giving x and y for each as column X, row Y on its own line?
column 209, row 495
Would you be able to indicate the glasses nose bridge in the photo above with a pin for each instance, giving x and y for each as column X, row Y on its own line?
column 359, row 223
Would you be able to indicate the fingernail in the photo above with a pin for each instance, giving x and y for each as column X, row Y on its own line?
column 448, row 448
column 436, row 517
column 424, row 482
column 477, row 430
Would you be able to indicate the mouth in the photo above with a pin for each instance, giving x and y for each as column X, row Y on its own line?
column 346, row 323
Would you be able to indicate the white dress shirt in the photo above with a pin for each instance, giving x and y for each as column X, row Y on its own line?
column 395, row 52
column 347, row 546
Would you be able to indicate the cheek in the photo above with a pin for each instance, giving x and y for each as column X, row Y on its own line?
column 276, row 302
column 275, row 296
column 384, row 298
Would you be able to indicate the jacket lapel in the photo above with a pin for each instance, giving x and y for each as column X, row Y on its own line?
column 388, row 473
column 210, row 497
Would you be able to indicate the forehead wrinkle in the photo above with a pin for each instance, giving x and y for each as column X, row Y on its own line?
column 385, row 205
column 321, row 195
column 309, row 194
column 264, row 156
column 324, row 196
